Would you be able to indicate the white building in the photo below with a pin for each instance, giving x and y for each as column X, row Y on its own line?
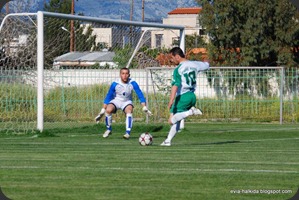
column 103, row 35
column 187, row 17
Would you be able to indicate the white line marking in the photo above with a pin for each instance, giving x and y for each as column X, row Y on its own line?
column 191, row 170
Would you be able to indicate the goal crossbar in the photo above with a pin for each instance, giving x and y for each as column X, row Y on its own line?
column 40, row 48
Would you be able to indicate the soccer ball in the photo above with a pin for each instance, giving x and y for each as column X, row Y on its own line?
column 145, row 139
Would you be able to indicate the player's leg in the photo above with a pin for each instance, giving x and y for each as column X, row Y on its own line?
column 111, row 108
column 182, row 115
column 185, row 107
column 172, row 132
column 128, row 110
column 180, row 108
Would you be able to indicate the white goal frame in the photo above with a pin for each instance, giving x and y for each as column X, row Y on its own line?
column 40, row 48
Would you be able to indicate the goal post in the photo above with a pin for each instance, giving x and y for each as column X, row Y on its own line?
column 40, row 71
column 40, row 52
column 39, row 48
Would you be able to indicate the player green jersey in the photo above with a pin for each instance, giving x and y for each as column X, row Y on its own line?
column 184, row 75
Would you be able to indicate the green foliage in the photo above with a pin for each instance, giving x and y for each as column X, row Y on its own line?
column 16, row 99
column 194, row 41
column 122, row 56
column 153, row 53
column 73, row 103
column 265, row 32
column 100, row 46
column 59, row 6
column 84, row 33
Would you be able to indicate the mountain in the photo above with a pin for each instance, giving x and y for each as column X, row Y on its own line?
column 154, row 10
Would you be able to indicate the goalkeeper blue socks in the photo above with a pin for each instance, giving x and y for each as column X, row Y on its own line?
column 129, row 122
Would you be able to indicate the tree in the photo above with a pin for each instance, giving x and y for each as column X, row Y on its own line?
column 251, row 32
column 194, row 41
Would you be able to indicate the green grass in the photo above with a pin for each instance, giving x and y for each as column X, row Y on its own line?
column 206, row 161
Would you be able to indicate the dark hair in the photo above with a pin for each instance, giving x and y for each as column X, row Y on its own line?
column 177, row 51
column 125, row 68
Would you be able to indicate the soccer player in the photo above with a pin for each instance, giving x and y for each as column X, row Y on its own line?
column 119, row 96
column 182, row 98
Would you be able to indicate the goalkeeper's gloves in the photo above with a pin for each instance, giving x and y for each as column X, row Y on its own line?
column 100, row 115
column 144, row 109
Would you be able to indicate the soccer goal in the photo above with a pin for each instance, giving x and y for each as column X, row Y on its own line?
column 56, row 68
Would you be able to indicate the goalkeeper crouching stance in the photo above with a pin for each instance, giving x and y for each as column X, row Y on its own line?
column 119, row 96
column 182, row 98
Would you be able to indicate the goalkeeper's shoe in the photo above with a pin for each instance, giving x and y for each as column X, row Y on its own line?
column 97, row 118
column 165, row 144
column 126, row 136
column 100, row 115
column 196, row 111
column 107, row 133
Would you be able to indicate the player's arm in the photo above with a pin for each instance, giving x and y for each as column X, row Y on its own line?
column 138, row 92
column 203, row 66
column 141, row 98
column 176, row 82
column 111, row 93
column 172, row 96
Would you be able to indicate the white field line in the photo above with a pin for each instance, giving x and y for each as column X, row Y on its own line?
column 191, row 170
column 172, row 161
column 275, row 129
column 111, row 143
column 271, row 139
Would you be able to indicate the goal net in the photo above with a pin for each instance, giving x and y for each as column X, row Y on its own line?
column 77, row 58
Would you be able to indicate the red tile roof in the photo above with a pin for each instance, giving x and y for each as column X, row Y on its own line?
column 178, row 11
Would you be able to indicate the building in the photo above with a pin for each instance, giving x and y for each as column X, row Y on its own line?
column 187, row 17
column 104, row 59
column 118, row 36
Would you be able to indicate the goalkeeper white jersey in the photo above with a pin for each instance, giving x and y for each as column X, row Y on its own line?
column 184, row 75
column 123, row 91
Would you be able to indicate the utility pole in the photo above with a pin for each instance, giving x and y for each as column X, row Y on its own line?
column 142, row 10
column 132, row 8
column 131, row 19
column 7, row 8
column 7, row 12
column 72, row 35
column 3, row 2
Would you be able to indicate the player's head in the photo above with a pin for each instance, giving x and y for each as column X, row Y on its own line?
column 177, row 55
column 177, row 51
column 124, row 74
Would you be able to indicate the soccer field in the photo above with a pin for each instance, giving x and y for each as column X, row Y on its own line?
column 205, row 161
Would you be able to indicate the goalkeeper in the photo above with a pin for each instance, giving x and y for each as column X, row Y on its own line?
column 119, row 96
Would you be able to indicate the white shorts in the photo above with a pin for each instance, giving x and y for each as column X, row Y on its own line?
column 121, row 104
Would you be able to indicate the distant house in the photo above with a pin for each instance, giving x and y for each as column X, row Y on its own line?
column 187, row 17
column 102, row 59
column 115, row 36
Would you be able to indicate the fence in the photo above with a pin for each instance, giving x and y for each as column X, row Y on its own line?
column 240, row 94
column 226, row 94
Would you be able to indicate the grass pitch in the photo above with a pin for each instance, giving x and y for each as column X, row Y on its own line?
column 205, row 161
